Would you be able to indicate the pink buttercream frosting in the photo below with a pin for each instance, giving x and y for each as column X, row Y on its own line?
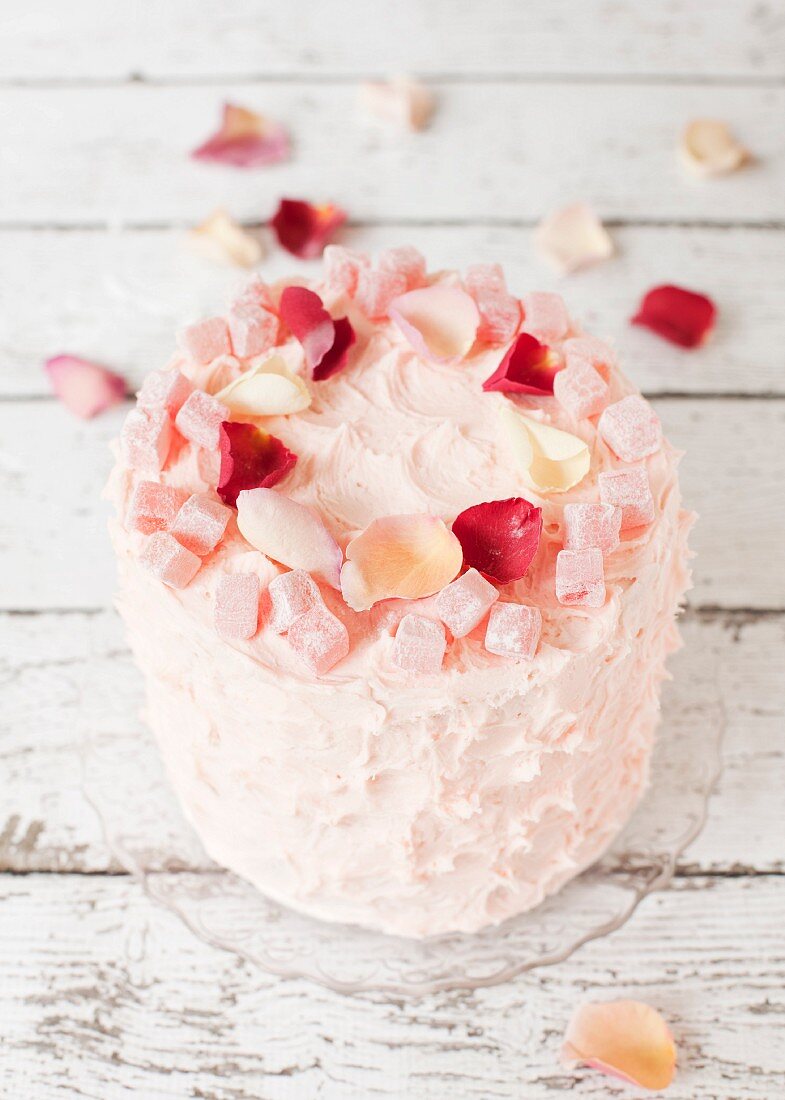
column 417, row 805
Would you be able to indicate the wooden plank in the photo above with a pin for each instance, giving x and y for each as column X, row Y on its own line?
column 111, row 39
column 506, row 151
column 119, row 297
column 53, row 532
column 69, row 679
column 105, row 995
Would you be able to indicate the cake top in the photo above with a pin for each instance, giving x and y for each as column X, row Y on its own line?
column 392, row 469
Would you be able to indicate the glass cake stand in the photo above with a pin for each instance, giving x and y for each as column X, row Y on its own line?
column 122, row 769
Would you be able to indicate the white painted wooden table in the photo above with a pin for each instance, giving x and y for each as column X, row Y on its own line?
column 103, row 995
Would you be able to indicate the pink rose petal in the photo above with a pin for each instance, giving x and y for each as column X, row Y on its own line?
column 624, row 1039
column 326, row 342
column 440, row 322
column 399, row 556
column 499, row 538
column 682, row 316
column 245, row 140
column 527, row 367
column 303, row 229
column 289, row 533
column 85, row 388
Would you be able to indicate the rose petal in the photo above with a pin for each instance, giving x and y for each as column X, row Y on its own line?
column 303, row 229
column 710, row 149
column 250, row 459
column 325, row 342
column 245, row 140
column 269, row 389
column 625, row 1039
column 402, row 101
column 222, row 238
column 85, row 388
column 440, row 322
column 682, row 316
column 399, row 556
column 572, row 238
column 528, row 367
column 499, row 538
column 289, row 533
column 550, row 460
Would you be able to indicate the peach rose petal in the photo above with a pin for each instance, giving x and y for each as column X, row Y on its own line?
column 625, row 1039
column 404, row 557
column 221, row 238
column 440, row 322
column 550, row 460
column 245, row 140
column 402, row 101
column 85, row 388
column 304, row 229
column 710, row 149
column 289, row 533
column 572, row 238
column 268, row 389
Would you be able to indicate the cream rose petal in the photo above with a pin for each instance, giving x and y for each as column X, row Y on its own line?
column 572, row 238
column 289, row 533
column 268, row 389
column 710, row 149
column 221, row 238
column 399, row 556
column 440, row 322
column 625, row 1039
column 550, row 460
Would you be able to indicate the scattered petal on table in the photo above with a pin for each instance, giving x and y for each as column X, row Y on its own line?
column 625, row 1039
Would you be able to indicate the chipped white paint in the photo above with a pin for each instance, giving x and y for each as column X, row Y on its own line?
column 104, row 996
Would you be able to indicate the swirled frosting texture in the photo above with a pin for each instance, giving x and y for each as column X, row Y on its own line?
column 417, row 806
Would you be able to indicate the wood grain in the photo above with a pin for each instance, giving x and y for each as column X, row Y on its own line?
column 531, row 147
column 69, row 677
column 119, row 297
column 105, row 996
column 111, row 39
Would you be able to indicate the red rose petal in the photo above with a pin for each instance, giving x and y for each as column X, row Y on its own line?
column 325, row 342
column 681, row 316
column 85, row 388
column 250, row 459
column 528, row 367
column 303, row 229
column 245, row 140
column 499, row 538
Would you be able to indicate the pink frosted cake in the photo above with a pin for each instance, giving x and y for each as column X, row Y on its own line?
column 400, row 556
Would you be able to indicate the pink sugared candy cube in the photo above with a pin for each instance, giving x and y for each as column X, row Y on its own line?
column 236, row 611
column 580, row 389
column 589, row 348
column 342, row 266
column 145, row 438
column 419, row 645
column 200, row 523
column 169, row 561
column 152, row 507
column 631, row 428
column 376, row 289
column 587, row 525
column 291, row 595
column 319, row 639
column 580, row 577
column 500, row 312
column 464, row 603
column 200, row 420
column 513, row 630
column 253, row 329
column 205, row 340
column 164, row 389
column 545, row 316
column 406, row 261
column 629, row 490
